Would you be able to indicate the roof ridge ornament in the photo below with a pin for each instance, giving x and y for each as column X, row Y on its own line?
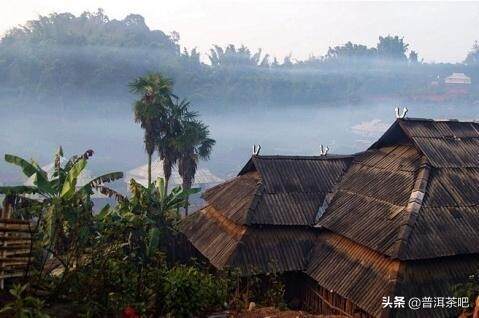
column 256, row 149
column 323, row 150
column 401, row 115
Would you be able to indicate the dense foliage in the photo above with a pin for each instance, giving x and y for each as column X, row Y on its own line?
column 124, row 261
column 95, row 55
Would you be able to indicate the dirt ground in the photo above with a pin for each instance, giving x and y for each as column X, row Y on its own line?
column 270, row 312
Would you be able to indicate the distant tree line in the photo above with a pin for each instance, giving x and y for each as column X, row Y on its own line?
column 94, row 55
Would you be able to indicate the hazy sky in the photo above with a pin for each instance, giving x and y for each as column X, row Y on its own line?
column 439, row 31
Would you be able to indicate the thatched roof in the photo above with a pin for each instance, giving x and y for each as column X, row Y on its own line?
column 244, row 221
column 140, row 174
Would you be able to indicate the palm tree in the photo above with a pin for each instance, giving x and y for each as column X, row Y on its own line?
column 151, row 110
column 167, row 148
column 193, row 144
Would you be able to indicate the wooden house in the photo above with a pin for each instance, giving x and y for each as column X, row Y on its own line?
column 262, row 220
column 403, row 220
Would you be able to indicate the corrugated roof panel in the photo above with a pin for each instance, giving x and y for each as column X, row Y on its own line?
column 274, row 249
column 444, row 231
column 364, row 220
column 233, row 198
column 369, row 205
column 207, row 235
column 450, row 152
column 352, row 271
column 365, row 276
column 294, row 188
column 440, row 129
column 283, row 190
column 453, row 188
column 287, row 208
column 285, row 174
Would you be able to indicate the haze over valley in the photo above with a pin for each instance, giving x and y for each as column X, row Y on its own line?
column 65, row 82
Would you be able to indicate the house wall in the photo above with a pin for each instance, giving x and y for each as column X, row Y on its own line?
column 304, row 293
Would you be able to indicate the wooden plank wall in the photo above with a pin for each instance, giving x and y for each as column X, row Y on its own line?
column 15, row 246
column 319, row 300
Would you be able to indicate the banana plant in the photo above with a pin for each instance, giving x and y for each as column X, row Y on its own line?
column 64, row 207
column 145, row 219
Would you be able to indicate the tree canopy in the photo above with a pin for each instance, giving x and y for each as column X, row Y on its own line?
column 63, row 55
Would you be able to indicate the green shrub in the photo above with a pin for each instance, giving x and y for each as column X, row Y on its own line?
column 23, row 306
column 468, row 289
column 190, row 292
column 263, row 289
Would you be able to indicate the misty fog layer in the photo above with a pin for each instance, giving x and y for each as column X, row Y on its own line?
column 64, row 81
column 35, row 131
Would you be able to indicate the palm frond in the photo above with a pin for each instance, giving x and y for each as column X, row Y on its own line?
column 205, row 148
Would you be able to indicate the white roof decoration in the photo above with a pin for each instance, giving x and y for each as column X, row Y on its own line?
column 140, row 174
column 458, row 78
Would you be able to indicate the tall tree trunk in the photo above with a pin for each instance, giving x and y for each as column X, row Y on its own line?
column 167, row 166
column 149, row 169
column 150, row 148
column 187, row 186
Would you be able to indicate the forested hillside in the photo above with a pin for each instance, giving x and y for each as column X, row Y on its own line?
column 64, row 55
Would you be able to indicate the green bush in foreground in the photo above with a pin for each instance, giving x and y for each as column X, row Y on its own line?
column 23, row 306
column 188, row 291
column 120, row 262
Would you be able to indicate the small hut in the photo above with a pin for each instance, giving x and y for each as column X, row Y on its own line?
column 458, row 78
column 457, row 83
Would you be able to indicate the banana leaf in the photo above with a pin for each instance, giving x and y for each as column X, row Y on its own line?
column 69, row 186
column 18, row 190
column 111, row 193
column 153, row 241
column 32, row 169
column 108, row 177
